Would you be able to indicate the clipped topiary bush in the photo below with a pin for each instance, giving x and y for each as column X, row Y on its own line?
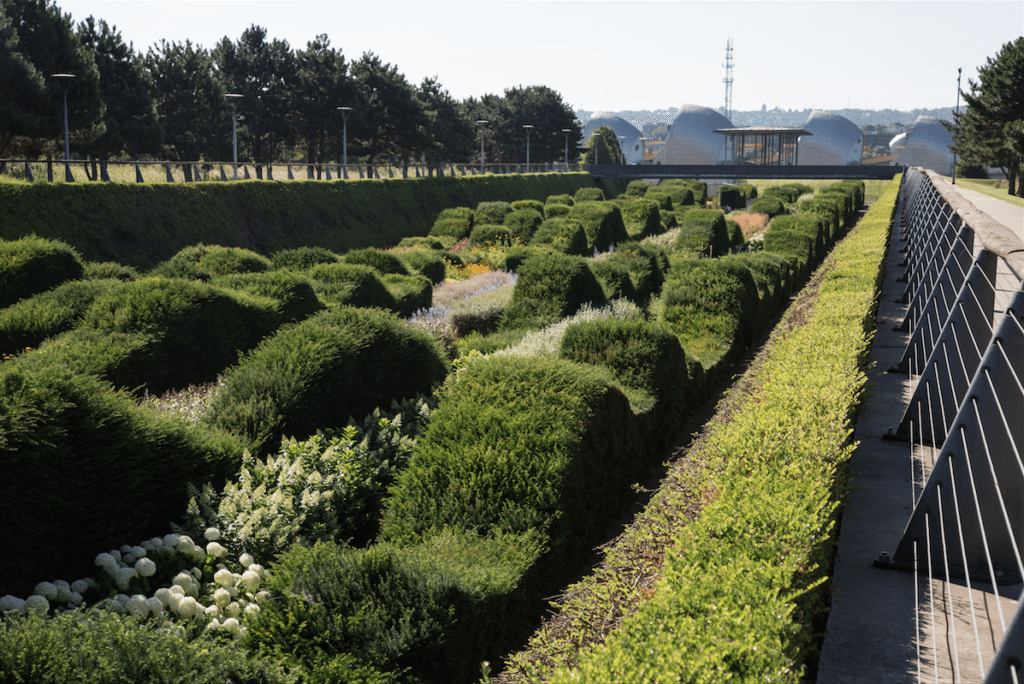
column 292, row 292
column 703, row 232
column 523, row 223
column 562, row 235
column 350, row 285
column 557, row 210
column 30, row 321
column 615, row 279
column 377, row 259
column 637, row 188
column 731, row 198
column 425, row 263
column 86, row 469
column 563, row 200
column 603, row 223
column 491, row 212
column 768, row 204
column 664, row 199
column 220, row 261
column 698, row 189
column 411, row 293
column 536, row 205
column 302, row 258
column 643, row 271
column 489, row 234
column 456, row 222
column 32, row 265
column 104, row 270
column 589, row 195
column 360, row 359
column 551, row 287
column 642, row 218
column 185, row 264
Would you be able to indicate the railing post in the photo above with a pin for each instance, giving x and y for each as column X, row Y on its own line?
column 138, row 173
column 28, row 172
column 170, row 176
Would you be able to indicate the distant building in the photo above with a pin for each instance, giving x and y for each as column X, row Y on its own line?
column 692, row 138
column 629, row 135
column 926, row 144
column 834, row 141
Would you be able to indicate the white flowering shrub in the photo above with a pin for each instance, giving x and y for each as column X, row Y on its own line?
column 326, row 488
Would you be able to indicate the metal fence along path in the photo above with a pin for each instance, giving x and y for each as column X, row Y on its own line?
column 940, row 465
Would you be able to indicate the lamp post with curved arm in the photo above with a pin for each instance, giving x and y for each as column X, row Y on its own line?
column 233, row 99
column 65, row 81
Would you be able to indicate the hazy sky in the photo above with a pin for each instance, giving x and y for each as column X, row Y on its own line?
column 614, row 56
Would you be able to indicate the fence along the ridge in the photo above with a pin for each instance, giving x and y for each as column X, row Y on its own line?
column 59, row 170
column 965, row 419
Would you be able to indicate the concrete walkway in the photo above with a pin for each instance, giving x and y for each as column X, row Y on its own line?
column 882, row 627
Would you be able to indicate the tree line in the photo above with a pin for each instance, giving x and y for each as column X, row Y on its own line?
column 170, row 103
column 990, row 131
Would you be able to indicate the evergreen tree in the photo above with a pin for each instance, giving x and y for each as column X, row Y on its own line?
column 991, row 130
column 193, row 111
column 131, row 122
column 452, row 134
column 322, row 85
column 391, row 122
column 24, row 90
column 265, row 74
column 604, row 148
column 47, row 41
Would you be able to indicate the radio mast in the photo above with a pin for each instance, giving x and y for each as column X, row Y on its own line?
column 728, row 80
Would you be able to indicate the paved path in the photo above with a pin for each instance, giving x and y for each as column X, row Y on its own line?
column 872, row 633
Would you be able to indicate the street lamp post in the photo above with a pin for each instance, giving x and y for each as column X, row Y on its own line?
column 345, row 111
column 65, row 81
column 482, row 123
column 567, row 131
column 528, row 128
column 958, row 72
column 622, row 139
column 233, row 98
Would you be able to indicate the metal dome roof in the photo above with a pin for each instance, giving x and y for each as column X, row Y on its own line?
column 631, row 146
column 834, row 141
column 692, row 138
column 927, row 145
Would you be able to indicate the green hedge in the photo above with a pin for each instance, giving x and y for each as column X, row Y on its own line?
column 642, row 218
column 359, row 358
column 523, row 223
column 551, row 287
column 676, row 187
column 489, row 234
column 425, row 262
column 33, row 264
column 491, row 212
column 302, row 258
column 85, row 469
column 32, row 320
column 768, row 204
column 350, row 285
column 411, row 293
column 142, row 224
column 377, row 259
column 615, row 279
column 589, row 195
column 455, row 222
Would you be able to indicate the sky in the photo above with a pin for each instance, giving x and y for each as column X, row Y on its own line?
column 613, row 56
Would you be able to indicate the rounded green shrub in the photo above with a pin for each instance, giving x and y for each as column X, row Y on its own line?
column 377, row 259
column 104, row 270
column 185, row 264
column 32, row 265
column 302, row 258
column 491, row 212
column 637, row 188
column 489, row 234
column 642, row 218
column 292, row 292
column 768, row 204
column 703, row 232
column 536, row 205
column 220, row 261
column 425, row 263
column 603, row 223
column 664, row 199
column 551, row 287
column 411, row 292
column 523, row 223
column 565, row 200
column 562, row 235
column 85, row 468
column 589, row 195
column 456, row 222
column 557, row 210
column 614, row 278
column 350, row 285
column 30, row 321
column 645, row 275
column 338, row 364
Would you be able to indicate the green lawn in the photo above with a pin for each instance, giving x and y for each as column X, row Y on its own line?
column 986, row 187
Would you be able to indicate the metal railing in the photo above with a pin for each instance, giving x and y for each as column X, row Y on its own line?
column 75, row 170
column 965, row 418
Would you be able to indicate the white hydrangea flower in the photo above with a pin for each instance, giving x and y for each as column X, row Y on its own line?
column 184, row 579
column 216, row 550
column 231, row 624
column 76, row 598
column 263, row 597
column 189, row 608
column 126, row 548
column 46, row 590
column 185, row 545
column 250, row 580
column 222, row 597
column 252, row 610
column 124, row 577
column 9, row 602
column 224, row 577
column 163, row 594
column 128, row 558
column 246, row 560
column 80, row 586
column 212, row 534
column 171, row 540
column 63, row 590
column 38, row 604
column 257, row 568
column 145, row 567
column 213, row 612
column 138, row 552
column 233, row 610
column 138, row 607
column 156, row 606
column 115, row 554
column 108, row 563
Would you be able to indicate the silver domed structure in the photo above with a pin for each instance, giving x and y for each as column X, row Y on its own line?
column 692, row 138
column 927, row 145
column 834, row 141
column 632, row 147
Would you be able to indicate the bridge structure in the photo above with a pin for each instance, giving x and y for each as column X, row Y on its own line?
column 739, row 171
column 928, row 574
